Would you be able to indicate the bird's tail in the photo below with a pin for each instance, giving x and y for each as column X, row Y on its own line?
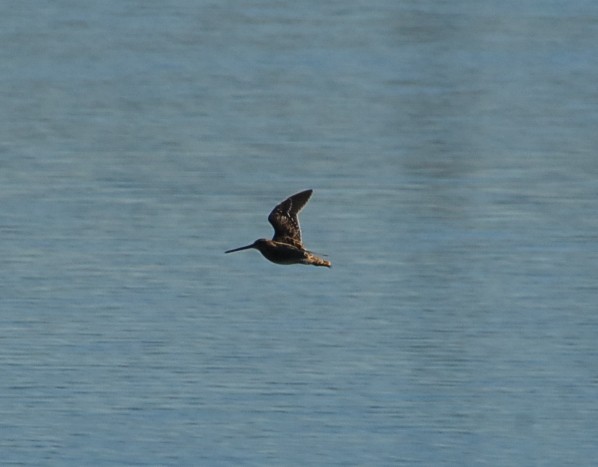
column 316, row 261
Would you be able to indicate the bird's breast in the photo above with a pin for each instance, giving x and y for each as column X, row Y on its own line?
column 281, row 253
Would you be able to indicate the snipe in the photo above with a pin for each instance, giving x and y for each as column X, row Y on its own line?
column 286, row 246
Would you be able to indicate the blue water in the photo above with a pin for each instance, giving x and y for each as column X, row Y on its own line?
column 451, row 147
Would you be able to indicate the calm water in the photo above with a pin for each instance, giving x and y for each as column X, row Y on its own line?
column 452, row 150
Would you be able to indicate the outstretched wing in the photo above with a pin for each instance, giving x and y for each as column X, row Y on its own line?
column 285, row 221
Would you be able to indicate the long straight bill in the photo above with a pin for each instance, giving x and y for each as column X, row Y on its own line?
column 239, row 249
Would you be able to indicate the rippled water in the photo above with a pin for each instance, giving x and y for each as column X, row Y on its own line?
column 452, row 150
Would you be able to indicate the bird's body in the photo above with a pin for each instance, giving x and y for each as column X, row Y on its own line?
column 286, row 246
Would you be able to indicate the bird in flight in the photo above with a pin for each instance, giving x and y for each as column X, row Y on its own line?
column 286, row 246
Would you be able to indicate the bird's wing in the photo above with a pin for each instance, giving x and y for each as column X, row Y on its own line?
column 285, row 221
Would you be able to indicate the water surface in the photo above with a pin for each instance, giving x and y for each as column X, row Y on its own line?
column 451, row 147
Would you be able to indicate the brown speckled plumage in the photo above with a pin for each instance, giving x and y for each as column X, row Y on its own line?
column 286, row 247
